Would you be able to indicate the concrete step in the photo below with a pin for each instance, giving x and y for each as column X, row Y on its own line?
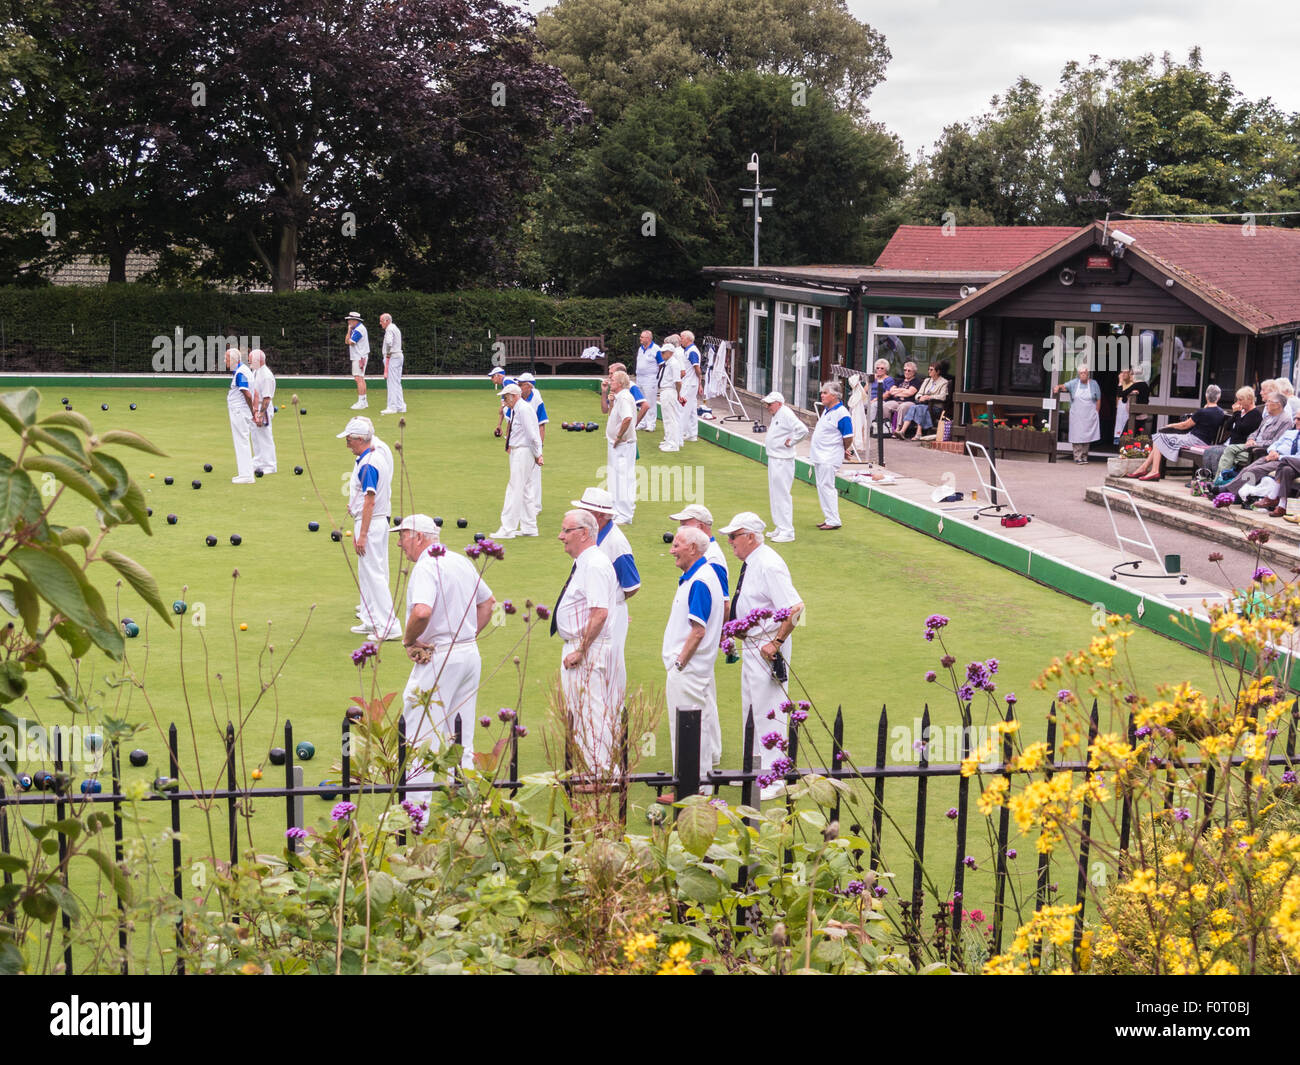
column 1171, row 503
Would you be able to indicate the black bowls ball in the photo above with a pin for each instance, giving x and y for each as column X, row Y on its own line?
column 313, row 526
column 668, row 538
column 196, row 484
column 207, row 467
column 210, row 540
column 277, row 755
column 172, row 519
column 169, row 480
column 236, row 539
column 462, row 523
column 139, row 757
column 335, row 535
column 297, row 471
column 479, row 538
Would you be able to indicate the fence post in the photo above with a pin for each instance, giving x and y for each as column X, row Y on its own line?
column 837, row 743
column 878, row 790
column 532, row 345
column 963, row 811
column 1000, row 874
column 289, row 811
column 174, row 769
column 60, row 812
column 918, row 857
column 232, row 825
column 687, row 756
column 623, row 764
column 1044, row 860
column 1085, row 841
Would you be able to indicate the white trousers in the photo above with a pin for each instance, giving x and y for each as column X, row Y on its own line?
column 593, row 705
column 451, row 677
column 372, row 575
column 691, row 412
column 649, row 386
column 780, row 481
column 761, row 693
column 620, row 465
column 534, row 493
column 672, row 414
column 241, row 425
column 396, row 401
column 264, row 445
column 687, row 689
column 519, row 513
column 827, row 496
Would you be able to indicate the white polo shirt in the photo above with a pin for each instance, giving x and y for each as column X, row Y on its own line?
column 786, row 426
column 523, row 431
column 623, row 406
column 698, row 599
column 613, row 544
column 828, row 438
column 453, row 588
column 534, row 400
column 240, row 382
column 264, row 386
column 714, row 557
column 371, row 473
column 392, row 340
column 672, row 371
column 766, row 586
column 592, row 587
column 360, row 347
column 647, row 365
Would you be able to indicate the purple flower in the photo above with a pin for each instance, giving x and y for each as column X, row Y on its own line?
column 366, row 650
column 1064, row 695
column 521, row 731
column 485, row 721
column 798, row 716
column 965, row 693
column 1216, row 556
column 496, row 550
column 879, row 891
column 1145, row 730
column 417, row 813
column 780, row 615
column 1011, row 852
column 841, row 756
column 1182, row 813
column 543, row 611
column 929, row 636
column 781, row 767
column 1010, row 698
column 956, row 896
column 919, row 745
column 930, row 676
column 505, row 714
column 969, row 862
column 473, row 550
column 854, row 888
column 1263, row 573
column 508, row 607
column 992, row 665
column 935, row 622
column 952, row 813
column 343, row 811
column 774, row 739
column 1052, row 889
column 1258, row 536
column 786, row 707
column 1288, row 777
column 1270, row 733
column 295, row 833
column 728, row 646
column 720, row 803
column 946, row 661
column 436, row 551
column 771, row 715
column 804, row 704
column 1224, row 499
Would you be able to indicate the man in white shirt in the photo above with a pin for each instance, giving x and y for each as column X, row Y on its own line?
column 263, row 412
column 528, row 387
column 698, row 516
column 671, row 399
column 647, row 376
column 832, row 444
column 784, row 432
column 583, row 619
column 239, row 402
column 620, row 447
column 358, row 354
column 393, row 362
column 610, row 539
column 692, row 385
column 690, row 647
column 369, row 504
column 448, row 605
column 763, row 584
column 524, row 446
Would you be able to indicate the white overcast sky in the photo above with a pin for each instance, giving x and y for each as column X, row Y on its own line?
column 950, row 58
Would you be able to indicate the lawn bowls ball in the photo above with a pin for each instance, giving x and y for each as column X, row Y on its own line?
column 462, row 523
column 236, row 539
column 64, row 401
column 668, row 538
column 306, row 750
column 277, row 755
column 328, row 796
column 172, row 519
column 243, row 626
column 479, row 538
column 139, row 757
column 207, row 467
column 25, row 781
column 43, row 780
column 148, row 512
column 196, row 485
column 256, row 774
column 103, row 406
column 164, row 784
column 303, row 411
column 313, row 526
column 169, row 480
column 133, row 406
column 258, row 473
column 437, row 522
column 354, row 714
column 131, row 629
column 335, row 535
column 90, row 786
column 179, row 606
column 297, row 471
column 210, row 540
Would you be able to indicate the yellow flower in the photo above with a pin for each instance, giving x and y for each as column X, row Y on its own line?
column 676, row 964
column 638, row 943
column 994, row 795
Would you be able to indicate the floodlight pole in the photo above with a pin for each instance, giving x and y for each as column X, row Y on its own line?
column 758, row 201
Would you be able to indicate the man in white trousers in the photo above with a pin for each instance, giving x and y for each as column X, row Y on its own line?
column 690, row 647
column 263, row 413
column 369, row 504
column 698, row 516
column 646, row 368
column 583, row 619
column 239, row 401
column 671, row 399
column 832, row 446
column 784, row 432
column 530, row 395
column 610, row 539
column 763, row 584
column 393, row 363
column 448, row 605
column 358, row 355
column 524, row 447
column 692, row 386
column 620, row 447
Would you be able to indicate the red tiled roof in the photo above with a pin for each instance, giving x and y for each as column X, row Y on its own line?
column 1254, row 276
column 968, row 247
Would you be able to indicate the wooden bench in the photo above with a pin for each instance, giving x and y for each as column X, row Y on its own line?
column 554, row 352
column 1193, row 453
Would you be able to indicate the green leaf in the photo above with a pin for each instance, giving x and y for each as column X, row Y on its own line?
column 64, row 440
column 11, row 863
column 75, row 534
column 28, row 604
column 11, row 959
column 133, row 501
column 114, row 873
column 62, row 585
column 113, row 474
column 13, row 685
column 69, row 417
column 74, row 637
column 66, row 899
column 130, row 439
column 19, row 497
column 18, row 409
column 8, row 603
column 67, row 471
column 697, row 825
column 139, row 579
column 699, row 885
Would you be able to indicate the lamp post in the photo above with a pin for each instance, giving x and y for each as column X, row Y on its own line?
column 756, row 199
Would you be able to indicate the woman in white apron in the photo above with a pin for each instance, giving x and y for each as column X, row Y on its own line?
column 1085, row 407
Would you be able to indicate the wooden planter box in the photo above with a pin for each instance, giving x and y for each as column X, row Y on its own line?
column 1014, row 439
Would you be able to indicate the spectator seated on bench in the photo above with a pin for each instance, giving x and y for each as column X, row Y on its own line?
column 901, row 394
column 1221, row 461
column 1198, row 432
column 1281, row 466
column 931, row 399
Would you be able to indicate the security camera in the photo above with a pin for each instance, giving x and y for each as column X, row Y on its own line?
column 1120, row 237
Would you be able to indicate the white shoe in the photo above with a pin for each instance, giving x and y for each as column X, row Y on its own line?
column 525, row 533
column 361, row 630
column 243, row 480
column 780, row 539
column 668, row 447
column 386, row 410
column 396, row 634
column 266, row 471
column 360, row 404
column 501, row 534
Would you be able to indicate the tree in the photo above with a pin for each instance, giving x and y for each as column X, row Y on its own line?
column 657, row 195
column 616, row 53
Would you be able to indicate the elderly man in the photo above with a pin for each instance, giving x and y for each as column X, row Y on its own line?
column 239, row 402
column 620, row 447
column 499, row 381
column 698, row 516
column 448, row 605
column 671, row 396
column 1281, row 464
column 531, row 396
column 763, row 585
column 524, row 447
column 832, row 444
column 263, row 413
column 393, row 362
column 1271, row 424
column 638, row 396
column 879, row 386
column 583, row 618
column 690, row 647
column 692, row 386
column 358, row 353
column 785, row 431
column 647, row 377
column 369, row 504
column 610, row 539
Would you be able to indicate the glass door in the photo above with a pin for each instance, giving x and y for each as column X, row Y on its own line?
column 755, row 378
column 783, row 350
column 808, row 358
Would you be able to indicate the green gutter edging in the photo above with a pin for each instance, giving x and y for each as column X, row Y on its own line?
column 193, row 380
column 1188, row 629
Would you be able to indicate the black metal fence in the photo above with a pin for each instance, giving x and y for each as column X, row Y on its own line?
column 688, row 780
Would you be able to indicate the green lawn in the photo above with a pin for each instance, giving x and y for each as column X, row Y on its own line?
column 868, row 589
